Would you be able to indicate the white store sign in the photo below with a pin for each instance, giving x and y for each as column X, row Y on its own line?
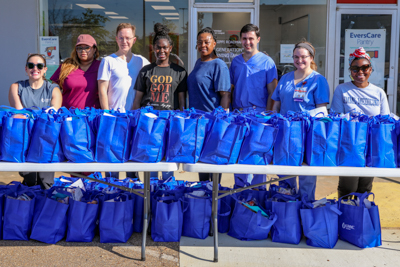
column 49, row 47
column 374, row 43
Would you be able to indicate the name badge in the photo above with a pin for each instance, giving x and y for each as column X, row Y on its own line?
column 300, row 93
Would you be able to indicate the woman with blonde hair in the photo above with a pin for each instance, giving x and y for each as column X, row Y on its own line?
column 77, row 76
column 301, row 90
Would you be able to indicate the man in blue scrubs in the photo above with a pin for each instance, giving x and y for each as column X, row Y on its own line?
column 253, row 78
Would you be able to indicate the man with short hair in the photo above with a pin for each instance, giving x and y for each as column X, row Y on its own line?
column 117, row 75
column 253, row 78
column 118, row 72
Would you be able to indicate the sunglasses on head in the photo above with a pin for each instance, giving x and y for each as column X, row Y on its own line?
column 356, row 69
column 31, row 65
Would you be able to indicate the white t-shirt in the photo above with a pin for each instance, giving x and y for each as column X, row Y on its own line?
column 370, row 100
column 122, row 77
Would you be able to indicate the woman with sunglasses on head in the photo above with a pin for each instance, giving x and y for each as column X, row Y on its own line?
column 209, row 84
column 77, row 76
column 301, row 90
column 40, row 93
column 359, row 95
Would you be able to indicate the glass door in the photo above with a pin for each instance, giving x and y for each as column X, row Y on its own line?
column 375, row 31
column 226, row 24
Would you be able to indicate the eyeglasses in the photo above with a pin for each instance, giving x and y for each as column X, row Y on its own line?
column 121, row 39
column 79, row 49
column 302, row 57
column 364, row 68
column 31, row 65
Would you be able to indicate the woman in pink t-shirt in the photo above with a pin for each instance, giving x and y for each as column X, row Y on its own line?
column 77, row 76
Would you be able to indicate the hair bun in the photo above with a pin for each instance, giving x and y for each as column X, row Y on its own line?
column 160, row 29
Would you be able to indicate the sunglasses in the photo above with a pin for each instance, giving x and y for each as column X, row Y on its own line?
column 79, row 49
column 31, row 65
column 356, row 69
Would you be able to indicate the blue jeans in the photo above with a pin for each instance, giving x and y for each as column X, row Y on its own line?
column 165, row 175
column 307, row 185
column 242, row 180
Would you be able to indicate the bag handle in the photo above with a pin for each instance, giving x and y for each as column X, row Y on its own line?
column 360, row 196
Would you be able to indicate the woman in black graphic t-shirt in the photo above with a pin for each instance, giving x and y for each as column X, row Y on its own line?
column 161, row 84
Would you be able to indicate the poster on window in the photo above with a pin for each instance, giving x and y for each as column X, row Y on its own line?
column 287, row 53
column 49, row 46
column 374, row 43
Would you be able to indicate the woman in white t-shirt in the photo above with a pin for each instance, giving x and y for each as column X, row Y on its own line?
column 361, row 96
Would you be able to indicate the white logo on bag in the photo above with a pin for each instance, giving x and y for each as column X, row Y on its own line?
column 347, row 226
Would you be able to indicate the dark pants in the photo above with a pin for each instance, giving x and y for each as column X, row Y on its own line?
column 44, row 179
column 203, row 176
column 128, row 174
column 349, row 184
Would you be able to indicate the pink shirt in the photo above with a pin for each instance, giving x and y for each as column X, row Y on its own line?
column 80, row 88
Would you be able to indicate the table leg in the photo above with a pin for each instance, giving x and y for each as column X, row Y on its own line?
column 215, row 177
column 146, row 203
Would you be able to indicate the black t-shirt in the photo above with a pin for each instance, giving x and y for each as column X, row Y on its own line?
column 161, row 85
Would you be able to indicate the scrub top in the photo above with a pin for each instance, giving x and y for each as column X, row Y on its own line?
column 250, row 80
column 305, row 95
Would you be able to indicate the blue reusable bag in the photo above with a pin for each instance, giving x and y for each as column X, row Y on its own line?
column 223, row 142
column 360, row 225
column 257, row 145
column 18, row 214
column 320, row 225
column 287, row 228
column 353, row 142
column 225, row 208
column 166, row 218
column 50, row 224
column 247, row 225
column 15, row 136
column 382, row 142
column 45, row 144
column 82, row 218
column 113, row 140
column 116, row 217
column 196, row 215
column 322, row 142
column 186, row 136
column 77, row 138
column 148, row 140
column 289, row 145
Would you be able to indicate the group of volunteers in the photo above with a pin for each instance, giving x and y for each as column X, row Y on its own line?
column 124, row 81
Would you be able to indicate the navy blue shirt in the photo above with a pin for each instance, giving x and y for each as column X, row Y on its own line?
column 205, row 82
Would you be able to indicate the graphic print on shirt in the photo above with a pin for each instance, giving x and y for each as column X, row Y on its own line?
column 300, row 93
column 361, row 101
column 161, row 88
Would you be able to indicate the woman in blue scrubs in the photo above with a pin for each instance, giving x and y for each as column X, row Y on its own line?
column 301, row 90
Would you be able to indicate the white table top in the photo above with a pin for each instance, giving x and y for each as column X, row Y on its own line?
column 293, row 170
column 88, row 167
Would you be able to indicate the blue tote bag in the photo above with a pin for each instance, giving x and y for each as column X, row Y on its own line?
column 360, row 225
column 196, row 215
column 16, row 134
column 50, row 224
column 289, row 146
column 112, row 140
column 186, row 136
column 225, row 208
column 77, row 138
column 320, row 224
column 247, row 225
column 322, row 141
column 82, row 218
column 148, row 141
column 353, row 141
column 287, row 228
column 116, row 217
column 223, row 142
column 166, row 218
column 257, row 145
column 18, row 214
column 45, row 144
column 382, row 142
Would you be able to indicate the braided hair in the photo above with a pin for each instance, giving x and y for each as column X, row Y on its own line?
column 161, row 33
column 210, row 31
